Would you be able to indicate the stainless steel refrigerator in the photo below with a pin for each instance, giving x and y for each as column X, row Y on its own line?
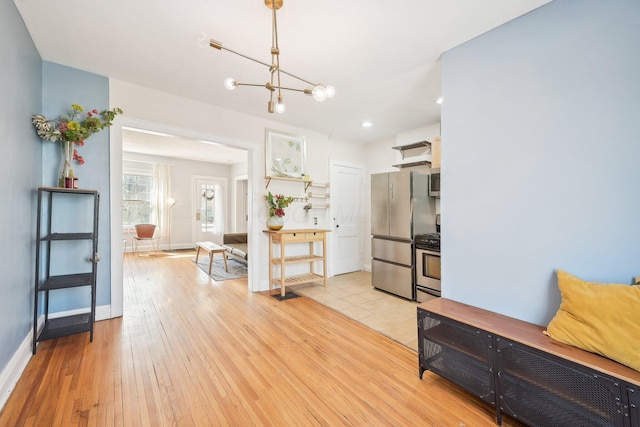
column 400, row 208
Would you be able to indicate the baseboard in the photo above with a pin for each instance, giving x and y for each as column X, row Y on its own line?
column 14, row 369
column 103, row 312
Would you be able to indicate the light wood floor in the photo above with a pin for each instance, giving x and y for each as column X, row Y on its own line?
column 190, row 351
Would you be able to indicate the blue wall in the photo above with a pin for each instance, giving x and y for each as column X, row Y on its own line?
column 63, row 86
column 20, row 174
column 29, row 86
column 540, row 151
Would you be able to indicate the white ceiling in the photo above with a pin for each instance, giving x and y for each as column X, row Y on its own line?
column 383, row 57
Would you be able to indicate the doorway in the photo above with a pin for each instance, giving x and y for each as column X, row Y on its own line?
column 115, row 267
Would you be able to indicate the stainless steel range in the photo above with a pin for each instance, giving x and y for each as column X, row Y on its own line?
column 427, row 247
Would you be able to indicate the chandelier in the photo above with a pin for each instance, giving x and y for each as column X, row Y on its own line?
column 318, row 91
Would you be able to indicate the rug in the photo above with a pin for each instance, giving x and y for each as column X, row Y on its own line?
column 237, row 269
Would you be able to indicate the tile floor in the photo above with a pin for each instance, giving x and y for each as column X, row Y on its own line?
column 353, row 295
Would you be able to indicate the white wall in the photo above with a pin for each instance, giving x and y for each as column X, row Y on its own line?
column 190, row 118
column 181, row 190
column 540, row 157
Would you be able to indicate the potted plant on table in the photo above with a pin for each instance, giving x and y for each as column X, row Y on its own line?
column 277, row 204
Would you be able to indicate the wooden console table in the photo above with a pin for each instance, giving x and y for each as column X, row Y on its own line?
column 284, row 237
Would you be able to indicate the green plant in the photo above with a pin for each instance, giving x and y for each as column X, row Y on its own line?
column 277, row 203
column 74, row 126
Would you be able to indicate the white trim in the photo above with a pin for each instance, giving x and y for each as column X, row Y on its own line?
column 115, row 180
column 115, row 184
column 13, row 371
column 103, row 312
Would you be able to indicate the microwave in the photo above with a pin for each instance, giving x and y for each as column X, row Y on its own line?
column 434, row 182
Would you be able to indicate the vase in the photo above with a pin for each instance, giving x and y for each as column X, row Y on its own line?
column 275, row 222
column 65, row 178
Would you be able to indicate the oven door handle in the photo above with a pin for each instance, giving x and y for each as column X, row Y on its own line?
column 429, row 252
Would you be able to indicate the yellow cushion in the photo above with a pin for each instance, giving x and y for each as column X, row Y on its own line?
column 600, row 318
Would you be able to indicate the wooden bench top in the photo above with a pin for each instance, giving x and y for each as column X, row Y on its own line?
column 210, row 246
column 528, row 334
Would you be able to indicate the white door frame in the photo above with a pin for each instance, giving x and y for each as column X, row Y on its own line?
column 116, row 308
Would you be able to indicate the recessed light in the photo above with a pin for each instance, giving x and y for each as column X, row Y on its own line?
column 439, row 101
column 367, row 124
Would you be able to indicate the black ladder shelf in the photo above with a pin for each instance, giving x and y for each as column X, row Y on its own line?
column 47, row 241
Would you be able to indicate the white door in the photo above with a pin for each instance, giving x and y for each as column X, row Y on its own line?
column 208, row 203
column 346, row 184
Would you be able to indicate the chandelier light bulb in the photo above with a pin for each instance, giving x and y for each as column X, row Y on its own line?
column 202, row 40
column 331, row 91
column 280, row 108
column 319, row 93
column 230, row 83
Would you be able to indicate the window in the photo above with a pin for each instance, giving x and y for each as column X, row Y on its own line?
column 136, row 198
column 207, row 207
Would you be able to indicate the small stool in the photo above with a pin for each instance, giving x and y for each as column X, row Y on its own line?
column 212, row 248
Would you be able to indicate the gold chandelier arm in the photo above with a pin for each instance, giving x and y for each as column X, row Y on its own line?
column 253, row 84
column 275, row 51
column 272, row 87
column 220, row 47
column 299, row 78
column 217, row 45
column 292, row 89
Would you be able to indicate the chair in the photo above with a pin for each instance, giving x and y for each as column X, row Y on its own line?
column 145, row 232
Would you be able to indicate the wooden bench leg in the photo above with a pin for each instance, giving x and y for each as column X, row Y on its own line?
column 210, row 260
column 224, row 258
column 197, row 253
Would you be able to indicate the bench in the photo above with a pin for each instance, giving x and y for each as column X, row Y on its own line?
column 212, row 249
column 513, row 366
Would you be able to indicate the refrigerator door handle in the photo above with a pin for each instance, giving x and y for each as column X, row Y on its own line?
column 411, row 211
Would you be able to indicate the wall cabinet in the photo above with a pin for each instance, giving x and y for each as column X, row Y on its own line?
column 280, row 259
column 518, row 370
column 436, row 147
column 54, row 241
